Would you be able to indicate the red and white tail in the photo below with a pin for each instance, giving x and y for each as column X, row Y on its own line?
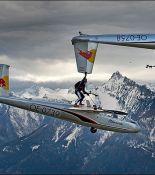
column 4, row 80
column 85, row 53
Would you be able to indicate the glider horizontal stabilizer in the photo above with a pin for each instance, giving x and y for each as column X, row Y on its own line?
column 115, row 112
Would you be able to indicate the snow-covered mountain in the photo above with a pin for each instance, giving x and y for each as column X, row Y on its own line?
column 149, row 84
column 33, row 143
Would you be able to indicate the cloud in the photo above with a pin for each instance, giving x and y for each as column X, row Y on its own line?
column 35, row 37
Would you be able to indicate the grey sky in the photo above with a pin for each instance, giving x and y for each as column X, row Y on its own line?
column 35, row 38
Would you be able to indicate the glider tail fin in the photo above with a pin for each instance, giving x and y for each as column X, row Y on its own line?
column 4, row 80
column 85, row 53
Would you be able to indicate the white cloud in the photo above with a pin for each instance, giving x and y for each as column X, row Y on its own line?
column 35, row 38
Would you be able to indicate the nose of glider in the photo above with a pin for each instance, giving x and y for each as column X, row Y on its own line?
column 135, row 128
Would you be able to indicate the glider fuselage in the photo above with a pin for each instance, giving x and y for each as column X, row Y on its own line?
column 89, row 118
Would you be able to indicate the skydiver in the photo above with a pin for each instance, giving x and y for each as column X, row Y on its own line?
column 80, row 91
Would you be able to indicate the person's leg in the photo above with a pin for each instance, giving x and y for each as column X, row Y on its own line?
column 82, row 97
column 79, row 97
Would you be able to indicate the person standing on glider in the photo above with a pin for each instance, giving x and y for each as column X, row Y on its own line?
column 80, row 91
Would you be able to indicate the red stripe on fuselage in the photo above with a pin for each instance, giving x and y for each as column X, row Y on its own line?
column 83, row 118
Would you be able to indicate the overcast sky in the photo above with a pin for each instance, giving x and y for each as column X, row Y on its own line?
column 35, row 38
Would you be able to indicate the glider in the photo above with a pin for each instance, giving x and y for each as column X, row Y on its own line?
column 149, row 66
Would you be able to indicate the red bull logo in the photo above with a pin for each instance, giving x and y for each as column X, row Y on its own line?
column 86, row 55
column 89, row 55
column 2, row 83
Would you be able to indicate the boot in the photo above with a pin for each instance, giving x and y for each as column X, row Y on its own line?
column 76, row 105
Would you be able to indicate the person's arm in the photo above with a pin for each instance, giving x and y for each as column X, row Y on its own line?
column 84, row 78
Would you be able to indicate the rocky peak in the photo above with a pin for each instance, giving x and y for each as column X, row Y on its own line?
column 128, row 93
column 116, row 75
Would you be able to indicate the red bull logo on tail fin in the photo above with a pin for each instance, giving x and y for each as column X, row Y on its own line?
column 89, row 55
column 2, row 82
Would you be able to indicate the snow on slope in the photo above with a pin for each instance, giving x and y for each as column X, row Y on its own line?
column 35, row 147
column 60, row 130
column 149, row 85
column 37, row 92
column 107, row 101
column 24, row 121
column 72, row 136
